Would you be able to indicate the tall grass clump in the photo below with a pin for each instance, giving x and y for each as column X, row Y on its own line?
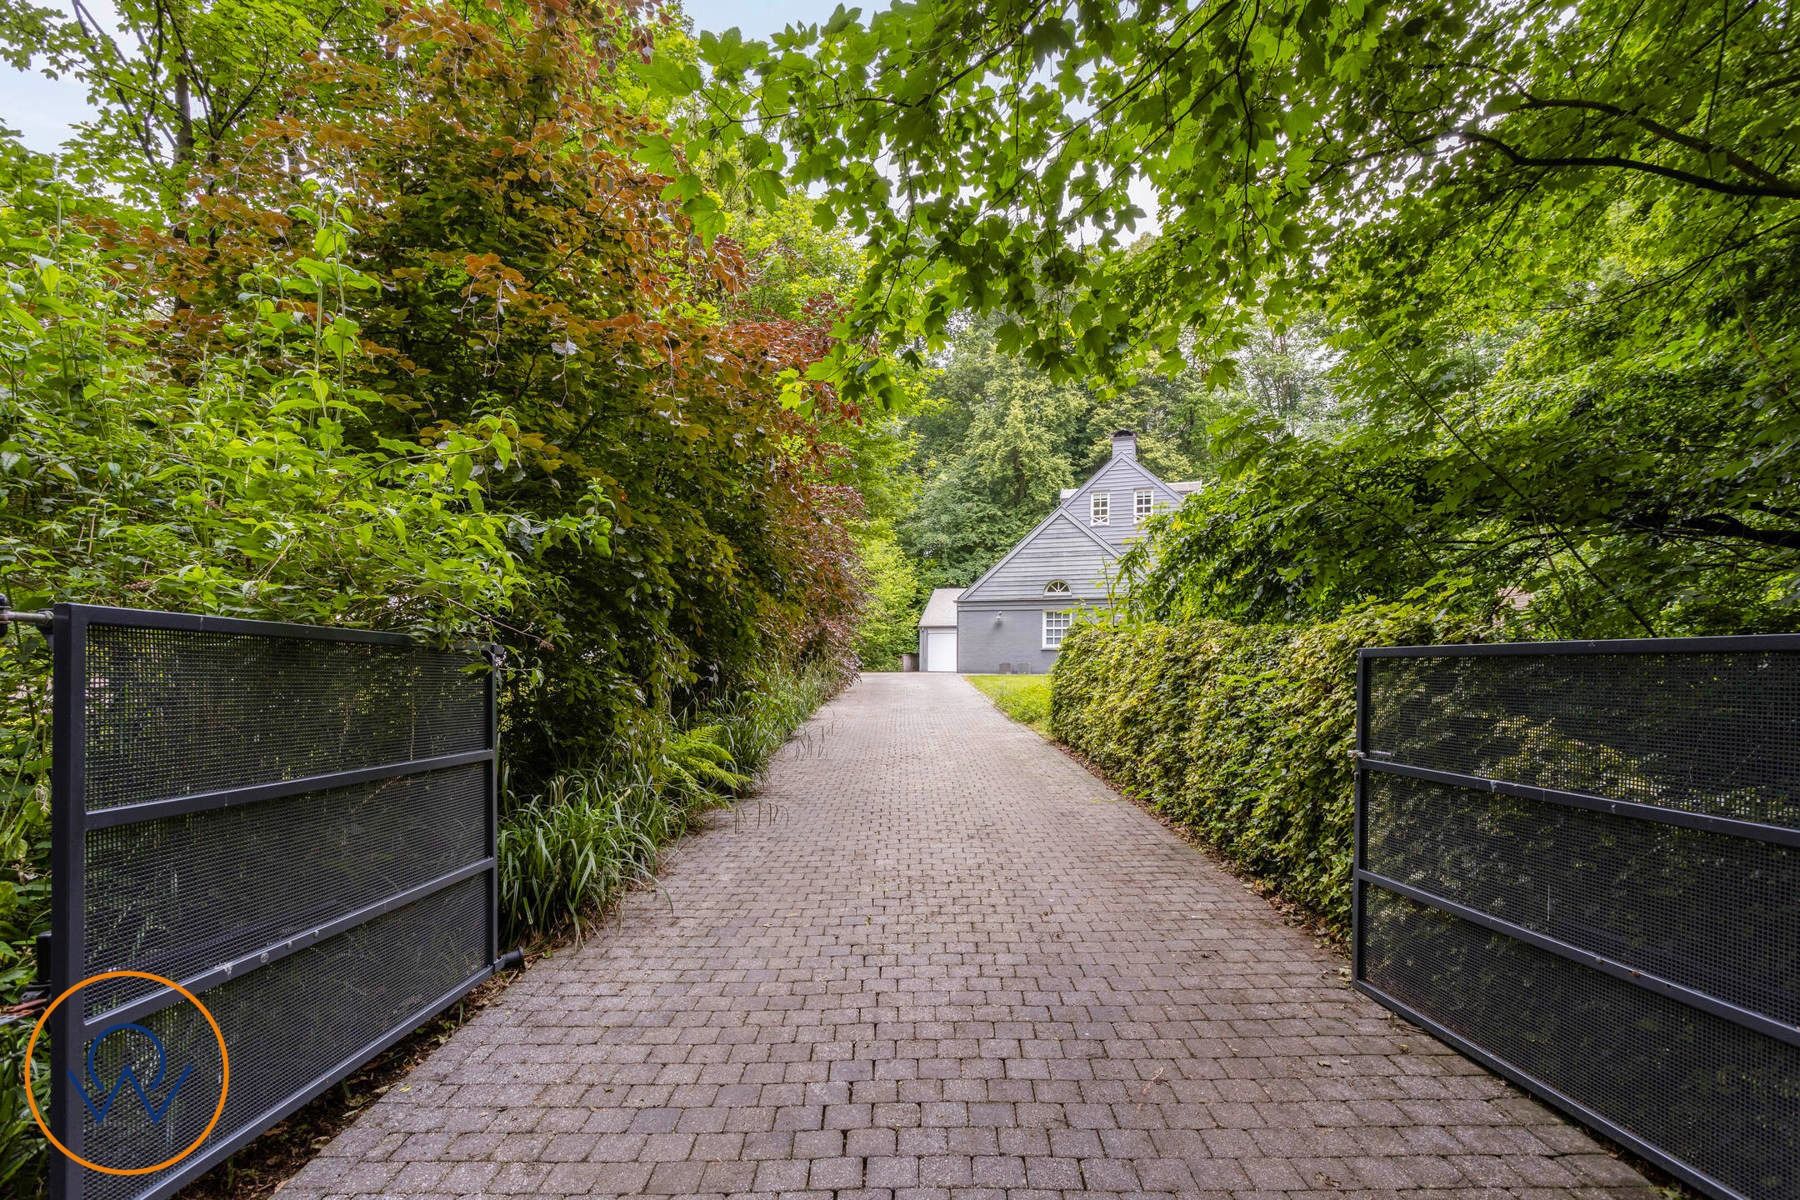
column 758, row 720
column 577, row 845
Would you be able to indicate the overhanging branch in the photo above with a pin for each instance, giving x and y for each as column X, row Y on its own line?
column 1617, row 162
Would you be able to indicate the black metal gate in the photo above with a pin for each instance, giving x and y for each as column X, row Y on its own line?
column 295, row 824
column 1579, row 863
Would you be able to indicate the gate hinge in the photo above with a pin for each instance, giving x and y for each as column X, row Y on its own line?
column 41, row 617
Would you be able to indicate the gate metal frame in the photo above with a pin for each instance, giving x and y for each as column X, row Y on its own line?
column 68, row 1028
column 1366, row 761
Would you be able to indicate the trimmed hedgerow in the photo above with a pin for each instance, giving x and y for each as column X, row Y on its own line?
column 1240, row 733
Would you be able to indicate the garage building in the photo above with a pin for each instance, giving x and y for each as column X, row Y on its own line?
column 937, row 631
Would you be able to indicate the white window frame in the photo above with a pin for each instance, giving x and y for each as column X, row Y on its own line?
column 1100, row 508
column 1056, row 587
column 1143, row 504
column 1067, row 618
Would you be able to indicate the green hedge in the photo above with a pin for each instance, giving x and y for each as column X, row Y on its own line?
column 1240, row 733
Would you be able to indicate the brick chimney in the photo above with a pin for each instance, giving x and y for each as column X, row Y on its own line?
column 1125, row 444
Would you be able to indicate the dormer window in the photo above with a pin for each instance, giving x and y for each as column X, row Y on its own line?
column 1143, row 502
column 1100, row 508
column 1056, row 587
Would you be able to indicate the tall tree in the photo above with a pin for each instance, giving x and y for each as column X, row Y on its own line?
column 175, row 83
column 1008, row 476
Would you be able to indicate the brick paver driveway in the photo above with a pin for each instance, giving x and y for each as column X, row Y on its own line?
column 937, row 959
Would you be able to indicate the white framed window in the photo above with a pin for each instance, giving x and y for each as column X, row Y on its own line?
column 1143, row 503
column 1100, row 508
column 1056, row 624
column 1056, row 587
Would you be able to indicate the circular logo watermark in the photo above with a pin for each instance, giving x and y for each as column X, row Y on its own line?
column 98, row 1108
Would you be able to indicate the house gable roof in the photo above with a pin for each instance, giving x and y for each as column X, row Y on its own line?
column 1112, row 469
column 1057, row 514
column 1065, row 554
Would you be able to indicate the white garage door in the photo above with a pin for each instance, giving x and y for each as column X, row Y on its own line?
column 940, row 649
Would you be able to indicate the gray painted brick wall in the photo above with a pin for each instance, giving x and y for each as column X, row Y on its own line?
column 1004, row 638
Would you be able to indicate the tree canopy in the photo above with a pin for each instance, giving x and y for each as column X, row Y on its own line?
column 1002, row 155
column 1554, row 246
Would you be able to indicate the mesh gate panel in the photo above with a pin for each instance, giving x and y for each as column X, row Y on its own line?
column 293, row 1022
column 1714, row 733
column 173, row 712
column 1581, row 861
column 179, row 895
column 1711, row 911
column 1710, row 1092
column 295, row 823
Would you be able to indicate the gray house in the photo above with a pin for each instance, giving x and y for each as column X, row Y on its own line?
column 1012, row 619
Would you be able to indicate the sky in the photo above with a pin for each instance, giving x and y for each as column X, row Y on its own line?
column 44, row 110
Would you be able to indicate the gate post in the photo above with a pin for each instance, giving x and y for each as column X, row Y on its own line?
column 1359, row 819
column 68, row 835
column 496, row 658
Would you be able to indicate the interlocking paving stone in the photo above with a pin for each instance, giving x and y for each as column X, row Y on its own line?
column 938, row 960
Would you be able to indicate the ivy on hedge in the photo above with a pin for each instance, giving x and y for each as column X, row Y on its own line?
column 1240, row 733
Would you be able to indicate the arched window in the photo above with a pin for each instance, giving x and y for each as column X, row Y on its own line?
column 1056, row 587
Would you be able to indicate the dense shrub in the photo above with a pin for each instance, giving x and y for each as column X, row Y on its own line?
column 890, row 619
column 1241, row 733
column 441, row 358
column 426, row 347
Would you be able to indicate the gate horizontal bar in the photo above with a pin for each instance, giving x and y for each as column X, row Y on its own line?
column 142, row 618
column 181, row 806
column 1681, row 1170
column 43, row 618
column 1729, row 644
column 1768, row 1026
column 202, row 1160
column 1733, row 826
column 137, row 1010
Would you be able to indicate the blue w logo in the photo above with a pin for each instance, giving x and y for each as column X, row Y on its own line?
column 126, row 1075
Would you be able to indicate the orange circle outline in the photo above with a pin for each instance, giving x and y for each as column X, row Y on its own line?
column 224, row 1073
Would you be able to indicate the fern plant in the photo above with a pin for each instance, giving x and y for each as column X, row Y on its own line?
column 697, row 765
